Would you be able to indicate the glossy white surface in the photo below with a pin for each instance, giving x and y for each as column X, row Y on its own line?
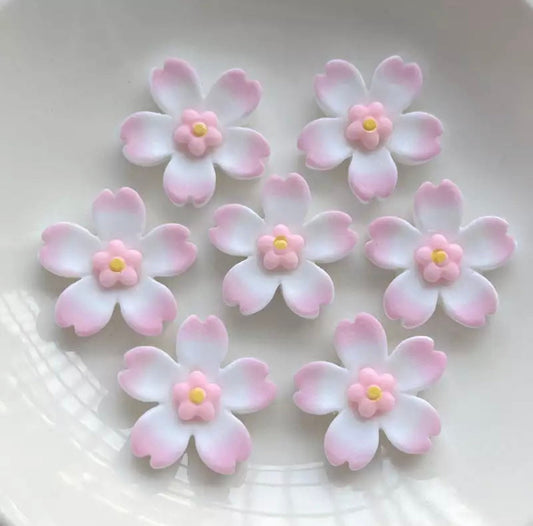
column 70, row 71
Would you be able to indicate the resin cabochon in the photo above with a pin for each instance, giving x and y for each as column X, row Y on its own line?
column 70, row 72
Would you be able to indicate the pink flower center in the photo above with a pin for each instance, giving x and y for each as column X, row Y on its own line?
column 372, row 394
column 368, row 126
column 117, row 265
column 198, row 132
column 281, row 249
column 196, row 398
column 439, row 261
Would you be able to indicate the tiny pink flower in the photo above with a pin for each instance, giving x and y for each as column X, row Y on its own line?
column 195, row 397
column 282, row 249
column 370, row 126
column 194, row 133
column 373, row 391
column 439, row 259
column 118, row 265
column 198, row 132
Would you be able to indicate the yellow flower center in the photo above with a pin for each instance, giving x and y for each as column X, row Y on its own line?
column 439, row 256
column 370, row 124
column 196, row 395
column 281, row 243
column 117, row 265
column 374, row 392
column 199, row 129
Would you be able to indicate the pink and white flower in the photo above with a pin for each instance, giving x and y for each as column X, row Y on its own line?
column 369, row 125
column 440, row 258
column 372, row 391
column 281, row 249
column 195, row 397
column 195, row 133
column 117, row 265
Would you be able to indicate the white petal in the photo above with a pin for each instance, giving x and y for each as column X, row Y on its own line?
column 85, row 306
column 470, row 299
column 486, row 243
column 324, row 143
column 415, row 364
column 439, row 208
column 339, row 88
column 202, row 345
column 372, row 174
column 149, row 375
column 350, row 439
column 68, row 250
column 147, row 137
column 321, row 388
column 410, row 300
column 147, row 305
column 306, row 289
column 410, row 424
column 395, row 84
column 167, row 250
column 237, row 229
column 285, row 201
column 233, row 97
column 119, row 215
column 245, row 387
column 361, row 343
column 189, row 180
column 249, row 286
column 243, row 153
column 328, row 237
column 392, row 243
column 415, row 138
column 223, row 442
column 160, row 435
column 175, row 87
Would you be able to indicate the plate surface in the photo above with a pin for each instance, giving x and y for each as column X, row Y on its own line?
column 70, row 71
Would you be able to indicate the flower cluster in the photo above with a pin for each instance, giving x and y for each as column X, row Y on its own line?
column 195, row 396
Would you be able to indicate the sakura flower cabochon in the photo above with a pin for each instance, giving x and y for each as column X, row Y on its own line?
column 369, row 126
column 281, row 249
column 439, row 258
column 373, row 391
column 195, row 133
column 117, row 265
column 195, row 397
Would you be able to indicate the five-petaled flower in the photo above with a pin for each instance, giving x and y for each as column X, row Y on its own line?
column 116, row 266
column 439, row 257
column 196, row 133
column 281, row 249
column 195, row 397
column 369, row 125
column 372, row 391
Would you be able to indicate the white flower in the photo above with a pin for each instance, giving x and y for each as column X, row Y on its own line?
column 369, row 126
column 196, row 133
column 116, row 266
column 281, row 249
column 195, row 398
column 372, row 391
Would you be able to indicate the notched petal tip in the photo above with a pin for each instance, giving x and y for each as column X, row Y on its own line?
column 212, row 327
column 173, row 66
column 293, row 184
column 240, row 78
column 125, row 197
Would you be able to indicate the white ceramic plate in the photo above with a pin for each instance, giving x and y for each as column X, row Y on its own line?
column 70, row 71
